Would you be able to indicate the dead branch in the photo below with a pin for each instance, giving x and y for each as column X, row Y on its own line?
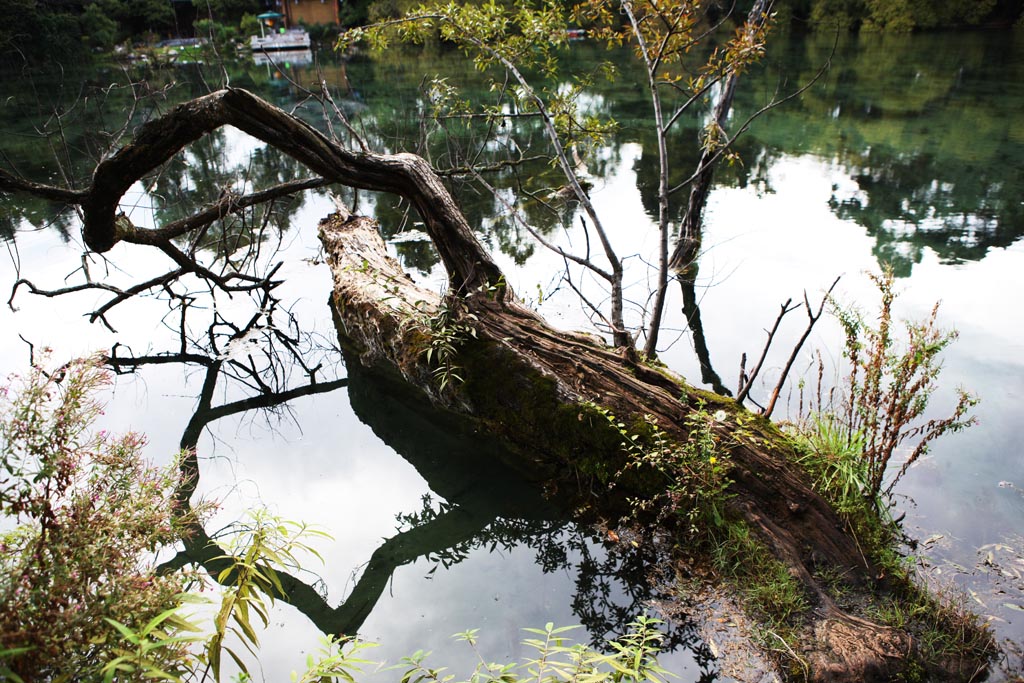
column 812, row 319
column 128, row 364
column 227, row 205
column 469, row 266
column 12, row 183
column 744, row 388
column 50, row 293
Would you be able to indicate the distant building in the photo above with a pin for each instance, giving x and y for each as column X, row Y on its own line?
column 309, row 12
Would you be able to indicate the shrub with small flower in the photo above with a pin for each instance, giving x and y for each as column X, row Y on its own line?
column 83, row 514
column 695, row 470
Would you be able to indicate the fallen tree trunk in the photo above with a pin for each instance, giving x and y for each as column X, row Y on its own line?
column 546, row 393
column 537, row 388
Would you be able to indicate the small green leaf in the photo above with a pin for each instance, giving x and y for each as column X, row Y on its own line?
column 128, row 634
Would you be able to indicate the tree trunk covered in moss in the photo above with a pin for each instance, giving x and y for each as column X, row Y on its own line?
column 538, row 389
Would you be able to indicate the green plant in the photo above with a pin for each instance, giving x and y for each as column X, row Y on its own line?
column 447, row 330
column 635, row 656
column 140, row 654
column 337, row 660
column 764, row 582
column 255, row 552
column 249, row 25
column 72, row 613
column 695, row 469
column 221, row 35
column 835, row 458
column 6, row 673
column 631, row 658
column 66, row 490
column 695, row 474
column 889, row 387
column 944, row 627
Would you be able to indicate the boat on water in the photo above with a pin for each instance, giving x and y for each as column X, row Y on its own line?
column 293, row 38
column 284, row 58
column 290, row 39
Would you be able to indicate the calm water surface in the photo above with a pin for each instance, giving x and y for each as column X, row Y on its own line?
column 908, row 152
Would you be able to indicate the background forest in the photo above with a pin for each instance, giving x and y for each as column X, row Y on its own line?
column 40, row 31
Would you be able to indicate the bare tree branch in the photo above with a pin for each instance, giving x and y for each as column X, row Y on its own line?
column 468, row 264
column 812, row 319
column 227, row 205
column 12, row 183
column 744, row 388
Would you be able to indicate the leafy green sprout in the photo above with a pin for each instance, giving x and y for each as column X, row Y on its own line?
column 834, row 456
column 695, row 468
column 631, row 658
column 337, row 660
column 449, row 328
column 137, row 656
column 255, row 553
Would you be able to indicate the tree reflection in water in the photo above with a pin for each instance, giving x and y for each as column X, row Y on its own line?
column 482, row 506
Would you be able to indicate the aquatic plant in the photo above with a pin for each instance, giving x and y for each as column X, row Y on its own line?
column 889, row 386
column 631, row 658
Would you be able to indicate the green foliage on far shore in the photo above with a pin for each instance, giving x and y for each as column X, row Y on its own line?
column 36, row 32
column 46, row 32
column 899, row 16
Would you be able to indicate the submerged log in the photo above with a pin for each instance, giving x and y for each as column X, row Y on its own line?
column 536, row 388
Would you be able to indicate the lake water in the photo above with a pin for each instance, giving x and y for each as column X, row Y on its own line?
column 909, row 151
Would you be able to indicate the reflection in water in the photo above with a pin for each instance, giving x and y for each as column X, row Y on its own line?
column 206, row 173
column 489, row 505
column 39, row 213
column 927, row 130
column 485, row 504
column 958, row 214
column 924, row 128
column 691, row 310
column 283, row 58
